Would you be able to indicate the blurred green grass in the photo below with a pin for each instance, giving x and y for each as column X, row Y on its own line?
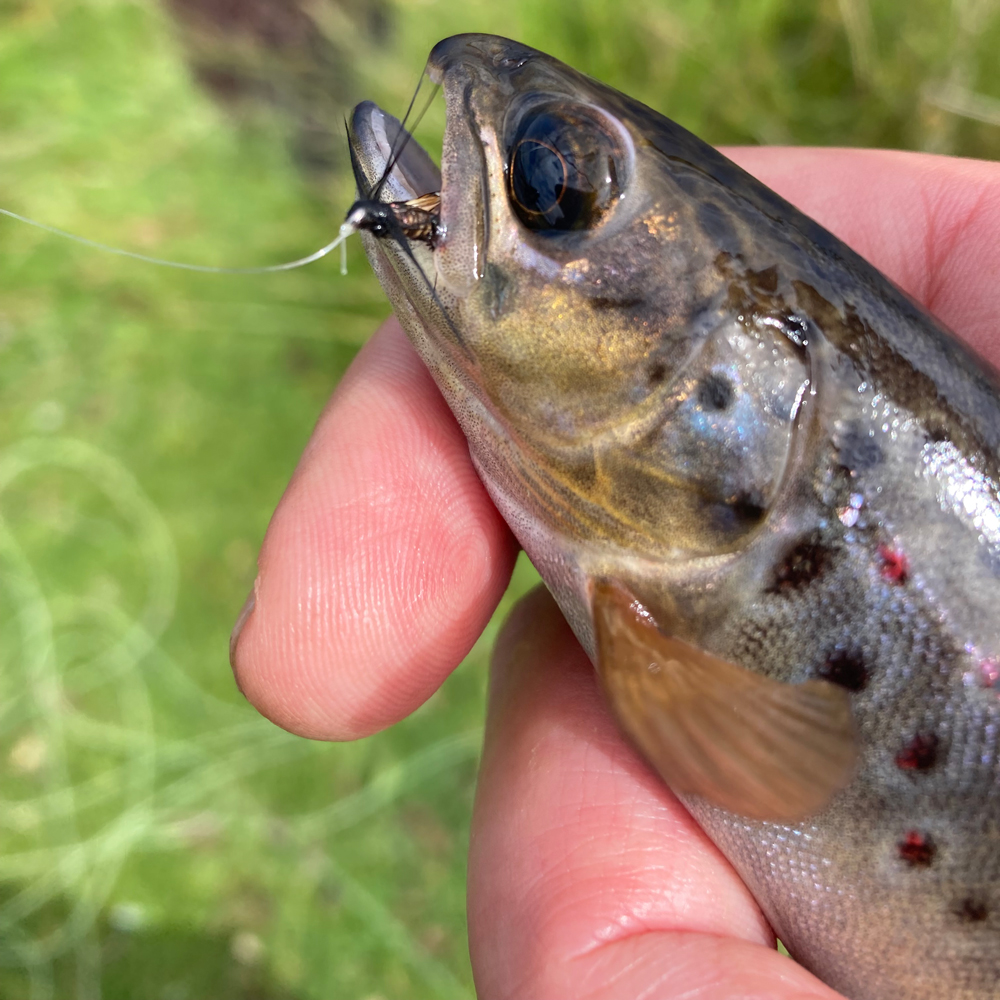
column 157, row 839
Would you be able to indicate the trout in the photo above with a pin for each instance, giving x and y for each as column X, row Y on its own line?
column 761, row 482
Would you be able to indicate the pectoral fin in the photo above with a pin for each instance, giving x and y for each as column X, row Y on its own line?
column 755, row 746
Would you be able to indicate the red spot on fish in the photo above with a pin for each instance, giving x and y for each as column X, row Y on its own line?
column 895, row 565
column 917, row 849
column 919, row 754
column 989, row 673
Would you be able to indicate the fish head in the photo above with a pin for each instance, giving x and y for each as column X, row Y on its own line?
column 576, row 304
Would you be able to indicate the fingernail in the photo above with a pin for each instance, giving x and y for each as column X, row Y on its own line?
column 241, row 620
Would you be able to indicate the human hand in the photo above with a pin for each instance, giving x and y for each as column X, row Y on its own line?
column 385, row 559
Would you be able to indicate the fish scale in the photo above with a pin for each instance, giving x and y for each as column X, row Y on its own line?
column 840, row 872
column 760, row 481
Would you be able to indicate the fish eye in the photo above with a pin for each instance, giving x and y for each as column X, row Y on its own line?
column 565, row 168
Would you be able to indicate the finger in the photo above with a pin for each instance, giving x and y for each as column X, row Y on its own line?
column 586, row 876
column 382, row 563
column 928, row 222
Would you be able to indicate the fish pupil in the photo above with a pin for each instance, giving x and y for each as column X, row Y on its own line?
column 564, row 169
column 539, row 177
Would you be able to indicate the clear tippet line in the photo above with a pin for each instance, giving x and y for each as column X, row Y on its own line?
column 345, row 230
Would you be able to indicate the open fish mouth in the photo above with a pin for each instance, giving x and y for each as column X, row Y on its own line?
column 401, row 218
column 391, row 167
column 399, row 199
column 399, row 213
column 377, row 138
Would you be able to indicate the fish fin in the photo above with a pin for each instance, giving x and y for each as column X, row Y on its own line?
column 757, row 747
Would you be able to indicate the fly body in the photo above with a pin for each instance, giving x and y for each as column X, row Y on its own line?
column 413, row 219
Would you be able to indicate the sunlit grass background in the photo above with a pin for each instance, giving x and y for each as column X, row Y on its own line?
column 158, row 840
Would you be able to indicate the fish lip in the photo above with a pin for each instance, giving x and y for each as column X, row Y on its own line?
column 372, row 134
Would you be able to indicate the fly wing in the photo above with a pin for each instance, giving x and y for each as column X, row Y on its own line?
column 430, row 202
column 754, row 746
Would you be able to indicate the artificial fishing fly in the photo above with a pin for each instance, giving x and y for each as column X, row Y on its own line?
column 416, row 219
column 342, row 235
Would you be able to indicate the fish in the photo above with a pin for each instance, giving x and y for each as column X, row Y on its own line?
column 761, row 482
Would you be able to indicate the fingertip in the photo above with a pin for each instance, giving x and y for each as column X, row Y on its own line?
column 382, row 562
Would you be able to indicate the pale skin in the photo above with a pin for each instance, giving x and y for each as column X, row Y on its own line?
column 385, row 559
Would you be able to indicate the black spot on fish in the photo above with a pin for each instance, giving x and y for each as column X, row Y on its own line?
column 715, row 392
column 495, row 286
column 971, row 910
column 796, row 329
column 857, row 452
column 936, row 434
column 846, row 670
column 917, row 849
column 920, row 754
column 765, row 280
column 749, row 507
column 657, row 373
column 728, row 264
column 802, row 564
